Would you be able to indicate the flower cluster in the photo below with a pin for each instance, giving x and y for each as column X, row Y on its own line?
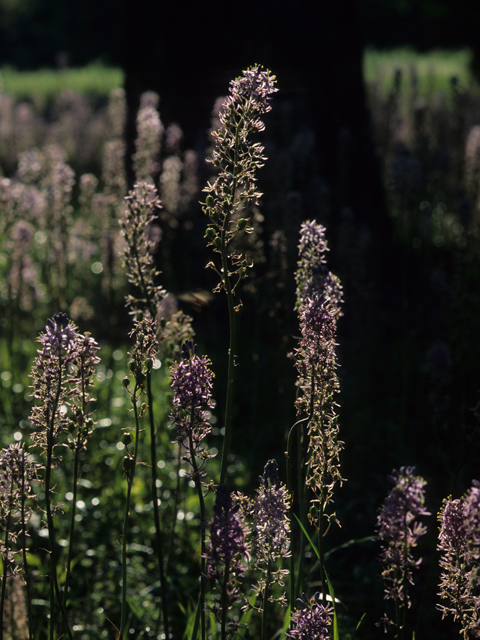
column 61, row 374
column 16, row 474
column 227, row 554
column 140, row 211
column 399, row 530
column 319, row 295
column 192, row 381
column 316, row 363
column 149, row 136
column 310, row 620
column 237, row 158
column 271, row 527
column 312, row 276
column 144, row 352
column 459, row 545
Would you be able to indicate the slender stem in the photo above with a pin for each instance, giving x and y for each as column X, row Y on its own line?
column 265, row 601
column 226, row 578
column 72, row 519
column 130, row 475
column 291, row 494
column 6, row 564
column 24, row 553
column 231, row 319
column 231, row 365
column 321, row 554
column 156, row 515
column 54, row 588
column 198, row 485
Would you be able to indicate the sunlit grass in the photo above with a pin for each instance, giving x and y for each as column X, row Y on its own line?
column 433, row 70
column 94, row 79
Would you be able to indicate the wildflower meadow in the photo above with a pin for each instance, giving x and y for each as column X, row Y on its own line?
column 199, row 436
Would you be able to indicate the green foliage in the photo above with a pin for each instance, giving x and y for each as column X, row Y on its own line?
column 94, row 79
column 433, row 70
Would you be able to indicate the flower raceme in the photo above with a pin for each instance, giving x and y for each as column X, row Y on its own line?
column 459, row 545
column 192, row 381
column 237, row 159
column 399, row 530
column 310, row 620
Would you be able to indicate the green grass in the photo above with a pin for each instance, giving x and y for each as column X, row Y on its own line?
column 434, row 69
column 94, row 79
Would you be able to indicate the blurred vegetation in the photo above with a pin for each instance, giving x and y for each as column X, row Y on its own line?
column 95, row 79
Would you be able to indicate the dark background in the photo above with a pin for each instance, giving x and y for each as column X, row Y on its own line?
column 188, row 52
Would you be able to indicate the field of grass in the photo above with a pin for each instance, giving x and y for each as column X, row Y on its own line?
column 433, row 69
column 94, row 79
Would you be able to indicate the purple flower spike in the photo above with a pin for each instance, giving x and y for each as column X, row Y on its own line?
column 311, row 619
column 459, row 545
column 192, row 381
column 399, row 531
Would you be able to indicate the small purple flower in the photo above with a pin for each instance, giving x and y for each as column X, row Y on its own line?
column 311, row 620
column 192, row 381
column 228, row 544
column 255, row 86
column 453, row 546
column 312, row 276
column 399, row 530
column 270, row 520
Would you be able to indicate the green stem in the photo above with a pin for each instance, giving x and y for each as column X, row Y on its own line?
column 198, row 485
column 231, row 364
column 6, row 564
column 291, row 494
column 156, row 515
column 231, row 318
column 265, row 601
column 54, row 588
column 24, row 555
column 130, row 475
column 224, row 605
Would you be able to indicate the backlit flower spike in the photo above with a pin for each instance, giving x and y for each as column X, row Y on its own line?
column 311, row 619
column 399, row 530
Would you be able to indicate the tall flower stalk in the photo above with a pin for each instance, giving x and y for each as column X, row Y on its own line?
column 237, row 159
column 459, row 545
column 142, row 204
column 399, row 530
column 141, row 362
column 271, row 529
column 227, row 556
column 319, row 296
column 81, row 427
column 192, row 381
column 16, row 473
column 53, row 387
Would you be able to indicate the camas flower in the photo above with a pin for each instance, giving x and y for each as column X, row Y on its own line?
column 316, row 363
column 311, row 619
column 459, row 545
column 271, row 530
column 140, row 211
column 237, row 158
column 192, row 381
column 227, row 555
column 312, row 276
column 399, row 530
column 270, row 508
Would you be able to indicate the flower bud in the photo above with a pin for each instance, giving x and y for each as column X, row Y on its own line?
column 128, row 463
column 127, row 438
